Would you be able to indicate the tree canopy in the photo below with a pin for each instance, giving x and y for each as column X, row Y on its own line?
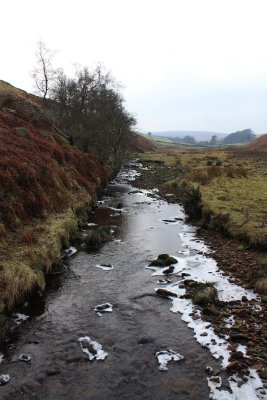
column 88, row 106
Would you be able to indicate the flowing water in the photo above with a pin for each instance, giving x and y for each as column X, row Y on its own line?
column 138, row 325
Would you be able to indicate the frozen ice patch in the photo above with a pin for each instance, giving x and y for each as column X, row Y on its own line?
column 1, row 358
column 25, row 358
column 70, row 252
column 163, row 281
column 229, row 322
column 92, row 348
column 19, row 318
column 164, row 356
column 118, row 210
column 105, row 267
column 4, row 379
column 103, row 308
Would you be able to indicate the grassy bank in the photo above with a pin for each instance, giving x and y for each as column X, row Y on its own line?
column 233, row 188
column 46, row 187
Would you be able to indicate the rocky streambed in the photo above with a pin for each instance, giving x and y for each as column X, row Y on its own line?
column 112, row 325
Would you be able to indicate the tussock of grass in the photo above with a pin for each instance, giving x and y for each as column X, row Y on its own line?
column 261, row 286
column 26, row 267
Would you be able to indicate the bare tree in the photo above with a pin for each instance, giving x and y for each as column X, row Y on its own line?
column 44, row 72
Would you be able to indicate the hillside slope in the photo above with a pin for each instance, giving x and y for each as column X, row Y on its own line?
column 259, row 145
column 45, row 186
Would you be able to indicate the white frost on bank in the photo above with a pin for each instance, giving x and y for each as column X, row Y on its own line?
column 250, row 390
column 195, row 262
column 92, row 348
column 217, row 346
column 164, row 356
column 105, row 267
column 205, row 269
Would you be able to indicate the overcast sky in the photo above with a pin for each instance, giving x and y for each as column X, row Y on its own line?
column 185, row 64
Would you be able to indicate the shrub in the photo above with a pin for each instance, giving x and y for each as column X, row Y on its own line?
column 218, row 163
column 193, row 203
column 209, row 163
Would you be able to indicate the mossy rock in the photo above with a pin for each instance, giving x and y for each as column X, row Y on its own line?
column 157, row 263
column 163, row 256
column 264, row 299
column 165, row 293
column 163, row 260
column 169, row 270
column 190, row 283
column 204, row 293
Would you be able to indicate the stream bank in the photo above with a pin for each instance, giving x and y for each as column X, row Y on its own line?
column 140, row 338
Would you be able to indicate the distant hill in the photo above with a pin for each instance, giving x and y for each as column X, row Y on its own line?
column 198, row 135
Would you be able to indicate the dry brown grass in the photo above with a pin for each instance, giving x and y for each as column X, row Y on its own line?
column 261, row 285
column 45, row 184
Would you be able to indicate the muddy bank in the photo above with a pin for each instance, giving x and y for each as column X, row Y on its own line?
column 241, row 263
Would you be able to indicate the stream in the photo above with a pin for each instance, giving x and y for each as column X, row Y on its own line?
column 135, row 344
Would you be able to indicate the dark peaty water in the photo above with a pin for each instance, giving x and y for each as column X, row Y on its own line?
column 139, row 326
